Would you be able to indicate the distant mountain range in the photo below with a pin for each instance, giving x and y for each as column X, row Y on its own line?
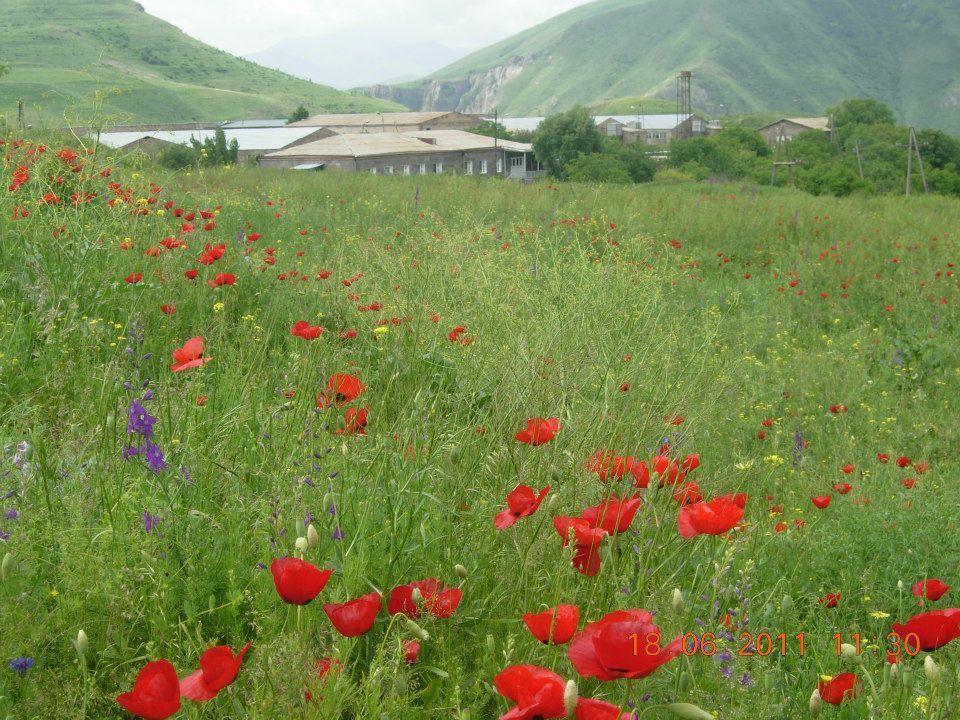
column 355, row 58
column 793, row 56
column 62, row 53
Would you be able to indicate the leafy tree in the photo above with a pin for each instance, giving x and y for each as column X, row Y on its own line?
column 489, row 128
column 938, row 149
column 301, row 113
column 562, row 138
column 634, row 158
column 861, row 111
column 597, row 167
column 704, row 151
column 216, row 150
column 178, row 157
column 738, row 137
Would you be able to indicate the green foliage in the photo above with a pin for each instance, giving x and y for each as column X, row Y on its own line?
column 301, row 113
column 562, row 138
column 639, row 165
column 719, row 158
column 178, row 157
column 216, row 150
column 597, row 167
column 860, row 111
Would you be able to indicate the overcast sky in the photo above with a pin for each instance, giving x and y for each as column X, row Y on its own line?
column 245, row 27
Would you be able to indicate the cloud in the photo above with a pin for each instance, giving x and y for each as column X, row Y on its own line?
column 249, row 26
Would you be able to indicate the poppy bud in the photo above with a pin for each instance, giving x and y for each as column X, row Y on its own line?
column 685, row 680
column 677, row 601
column 932, row 670
column 302, row 544
column 327, row 500
column 491, row 644
column 555, row 475
column 849, row 652
column 570, row 697
column 894, row 672
column 417, row 630
column 900, row 585
column 460, row 570
column 687, row 711
column 455, row 456
column 301, row 528
column 81, row 644
column 6, row 567
column 416, row 596
column 313, row 538
column 786, row 604
column 907, row 678
column 816, row 704
column 552, row 501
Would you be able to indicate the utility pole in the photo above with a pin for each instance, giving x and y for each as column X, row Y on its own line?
column 783, row 148
column 914, row 149
column 20, row 114
column 856, row 149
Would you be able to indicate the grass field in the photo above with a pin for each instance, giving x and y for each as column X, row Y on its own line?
column 785, row 340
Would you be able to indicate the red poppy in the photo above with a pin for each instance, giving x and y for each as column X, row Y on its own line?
column 218, row 668
column 539, row 431
column 354, row 422
column 931, row 589
column 842, row 488
column 933, row 629
column 622, row 644
column 305, row 330
column 535, row 691
column 688, row 493
column 191, row 274
column 713, row 517
column 614, row 514
column 848, row 468
column 830, row 600
column 836, row 409
column 222, row 279
column 133, row 278
column 167, row 309
column 883, row 457
column 588, row 709
column 521, row 502
column 553, row 627
column 454, row 335
column 155, row 694
column 190, row 355
column 821, row 501
column 839, row 688
column 438, row 600
column 908, row 483
column 667, row 470
column 411, row 651
column 354, row 617
column 297, row 581
column 342, row 388
column 607, row 465
column 253, row 237
column 903, row 461
column 212, row 253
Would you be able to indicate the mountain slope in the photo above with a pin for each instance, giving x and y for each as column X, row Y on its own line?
column 795, row 56
column 61, row 53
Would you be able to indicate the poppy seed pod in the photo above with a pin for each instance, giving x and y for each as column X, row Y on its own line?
column 685, row 681
column 416, row 596
column 677, row 601
column 417, row 630
column 6, row 567
column 894, row 672
column 816, row 703
column 933, row 671
column 570, row 697
column 688, row 711
column 313, row 537
column 302, row 544
column 460, row 570
column 786, row 604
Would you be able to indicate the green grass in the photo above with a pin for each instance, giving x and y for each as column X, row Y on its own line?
column 61, row 54
column 795, row 58
column 685, row 293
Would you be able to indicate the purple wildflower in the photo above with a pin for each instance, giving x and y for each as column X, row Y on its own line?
column 155, row 458
column 149, row 521
column 21, row 665
column 338, row 533
column 139, row 420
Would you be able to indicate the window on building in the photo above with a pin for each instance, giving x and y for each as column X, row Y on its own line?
column 612, row 128
column 438, row 167
column 406, row 169
column 423, row 168
column 373, row 171
column 483, row 167
column 469, row 168
column 499, row 165
column 388, row 169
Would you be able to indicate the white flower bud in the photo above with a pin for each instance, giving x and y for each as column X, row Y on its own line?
column 933, row 671
column 460, row 570
column 570, row 697
column 302, row 544
column 849, row 652
column 313, row 537
column 416, row 596
column 816, row 703
column 82, row 643
column 6, row 567
column 677, row 601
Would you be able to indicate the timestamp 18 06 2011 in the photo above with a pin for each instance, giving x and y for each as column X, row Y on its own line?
column 764, row 644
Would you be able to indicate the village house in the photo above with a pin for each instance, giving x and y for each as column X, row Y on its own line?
column 252, row 142
column 393, row 122
column 411, row 153
column 791, row 127
column 649, row 129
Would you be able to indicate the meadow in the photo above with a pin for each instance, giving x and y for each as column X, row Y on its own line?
column 743, row 402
